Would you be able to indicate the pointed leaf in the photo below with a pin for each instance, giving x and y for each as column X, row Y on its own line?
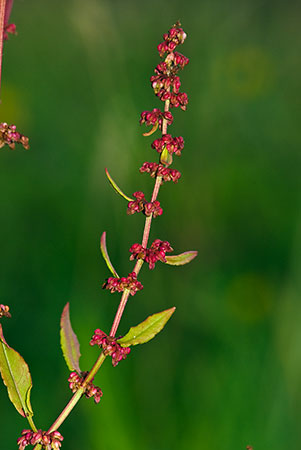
column 103, row 248
column 166, row 157
column 16, row 377
column 149, row 133
column 147, row 329
column 117, row 188
column 69, row 341
column 183, row 258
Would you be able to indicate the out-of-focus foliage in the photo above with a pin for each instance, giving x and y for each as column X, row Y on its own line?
column 226, row 370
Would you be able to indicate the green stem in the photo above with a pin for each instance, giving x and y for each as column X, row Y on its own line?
column 31, row 423
column 94, row 369
column 67, row 410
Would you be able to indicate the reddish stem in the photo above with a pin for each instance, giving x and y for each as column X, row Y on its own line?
column 119, row 313
column 2, row 23
column 146, row 232
column 123, row 301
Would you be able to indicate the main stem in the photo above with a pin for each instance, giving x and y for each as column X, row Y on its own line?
column 76, row 397
column 123, row 301
column 2, row 17
column 146, row 232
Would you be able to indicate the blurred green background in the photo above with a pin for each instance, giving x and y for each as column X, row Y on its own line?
column 226, row 371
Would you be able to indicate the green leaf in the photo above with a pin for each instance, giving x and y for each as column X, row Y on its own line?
column 117, row 188
column 16, row 377
column 147, row 329
column 104, row 252
column 69, row 341
column 166, row 157
column 183, row 258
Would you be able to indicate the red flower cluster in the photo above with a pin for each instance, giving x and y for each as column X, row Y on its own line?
column 4, row 311
column 176, row 100
column 141, row 205
column 165, row 79
column 75, row 382
column 172, row 39
column 120, row 284
column 110, row 346
column 172, row 145
column 45, row 439
column 151, row 255
column 166, row 173
column 179, row 61
column 166, row 83
column 9, row 136
column 156, row 116
column 9, row 28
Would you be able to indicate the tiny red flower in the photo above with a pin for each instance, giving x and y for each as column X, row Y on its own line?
column 4, row 311
column 172, row 39
column 141, row 205
column 8, row 27
column 47, row 440
column 120, row 284
column 166, row 173
column 151, row 255
column 110, row 346
column 10, row 136
column 173, row 145
column 76, row 381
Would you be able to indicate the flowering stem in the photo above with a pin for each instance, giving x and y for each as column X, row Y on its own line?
column 2, row 17
column 123, row 301
column 76, row 397
column 146, row 232
column 138, row 265
column 148, row 220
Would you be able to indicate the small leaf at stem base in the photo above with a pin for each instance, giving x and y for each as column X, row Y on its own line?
column 181, row 259
column 147, row 329
column 16, row 377
column 69, row 342
column 117, row 188
column 104, row 252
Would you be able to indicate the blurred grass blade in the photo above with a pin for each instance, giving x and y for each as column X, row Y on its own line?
column 16, row 377
column 69, row 342
column 181, row 259
column 147, row 329
column 104, row 252
column 117, row 188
